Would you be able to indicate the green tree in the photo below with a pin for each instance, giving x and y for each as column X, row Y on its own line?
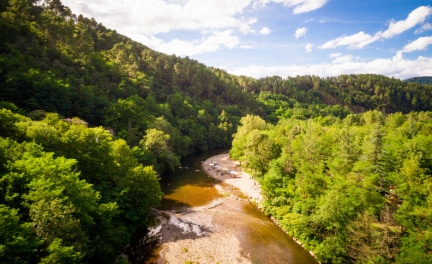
column 140, row 191
column 259, row 151
column 247, row 125
column 60, row 204
column 158, row 143
column 18, row 244
column 61, row 254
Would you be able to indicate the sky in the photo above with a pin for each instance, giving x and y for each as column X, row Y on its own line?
column 260, row 38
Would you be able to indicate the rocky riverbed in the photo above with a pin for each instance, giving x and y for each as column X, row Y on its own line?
column 221, row 231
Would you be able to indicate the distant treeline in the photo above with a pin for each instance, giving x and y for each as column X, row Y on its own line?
column 421, row 80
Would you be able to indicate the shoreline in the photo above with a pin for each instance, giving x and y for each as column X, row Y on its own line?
column 191, row 236
column 242, row 180
column 245, row 183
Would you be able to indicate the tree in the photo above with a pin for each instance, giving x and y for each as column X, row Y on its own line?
column 347, row 152
column 17, row 243
column 19, row 11
column 140, row 191
column 61, row 254
column 128, row 117
column 247, row 125
column 259, row 151
column 158, row 143
column 60, row 204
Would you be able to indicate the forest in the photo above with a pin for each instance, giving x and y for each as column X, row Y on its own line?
column 90, row 120
column 352, row 190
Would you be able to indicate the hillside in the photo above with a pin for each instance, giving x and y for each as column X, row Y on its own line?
column 56, row 61
column 420, row 80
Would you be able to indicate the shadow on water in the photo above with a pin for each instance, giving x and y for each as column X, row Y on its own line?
column 189, row 186
column 275, row 246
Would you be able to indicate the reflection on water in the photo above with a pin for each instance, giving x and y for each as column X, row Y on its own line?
column 261, row 240
column 190, row 195
column 188, row 187
column 267, row 243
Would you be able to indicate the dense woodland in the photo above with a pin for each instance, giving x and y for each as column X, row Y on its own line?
column 421, row 80
column 90, row 120
column 352, row 190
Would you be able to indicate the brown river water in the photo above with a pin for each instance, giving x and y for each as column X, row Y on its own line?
column 260, row 239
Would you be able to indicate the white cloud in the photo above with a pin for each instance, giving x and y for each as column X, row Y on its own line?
column 419, row 44
column 265, row 31
column 157, row 16
column 149, row 21
column 299, row 6
column 209, row 25
column 417, row 16
column 395, row 67
column 356, row 41
column 209, row 43
column 360, row 40
column 423, row 28
column 308, row 48
column 306, row 5
column 300, row 32
column 338, row 58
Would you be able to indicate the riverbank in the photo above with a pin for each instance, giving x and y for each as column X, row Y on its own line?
column 207, row 234
column 221, row 231
column 230, row 172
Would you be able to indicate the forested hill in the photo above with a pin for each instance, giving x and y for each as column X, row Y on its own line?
column 56, row 61
column 421, row 80
column 359, row 92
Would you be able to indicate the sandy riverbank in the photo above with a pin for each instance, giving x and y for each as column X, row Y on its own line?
column 203, row 234
column 243, row 181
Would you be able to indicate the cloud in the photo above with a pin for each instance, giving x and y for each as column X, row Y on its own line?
column 158, row 16
column 308, row 48
column 361, row 39
column 356, row 41
column 265, row 31
column 395, row 67
column 423, row 28
column 299, row 6
column 419, row 44
column 205, row 26
column 417, row 16
column 306, row 5
column 300, row 32
column 210, row 43
column 157, row 23
column 338, row 58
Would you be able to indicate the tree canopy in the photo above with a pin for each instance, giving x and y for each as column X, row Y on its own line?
column 354, row 190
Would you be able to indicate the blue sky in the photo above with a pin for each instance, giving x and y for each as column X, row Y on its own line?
column 260, row 38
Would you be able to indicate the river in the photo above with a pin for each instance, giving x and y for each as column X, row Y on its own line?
column 259, row 239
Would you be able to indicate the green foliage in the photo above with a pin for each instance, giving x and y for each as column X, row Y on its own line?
column 357, row 193
column 421, row 80
column 158, row 144
column 140, row 192
column 18, row 243
column 247, row 125
column 80, row 202
column 61, row 254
